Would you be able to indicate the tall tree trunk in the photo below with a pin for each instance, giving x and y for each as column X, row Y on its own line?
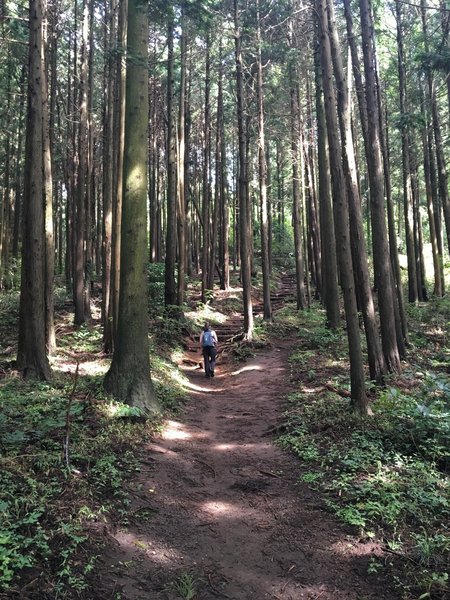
column 206, row 161
column 118, row 160
column 299, row 260
column 358, row 391
column 32, row 357
column 413, row 293
column 267, row 310
column 328, row 238
column 440, row 156
column 170, row 291
column 377, row 365
column 181, row 196
column 81, row 312
column 399, row 306
column 108, row 176
column 224, row 211
column 243, row 181
column 129, row 375
column 382, row 265
column 437, row 258
column 48, row 199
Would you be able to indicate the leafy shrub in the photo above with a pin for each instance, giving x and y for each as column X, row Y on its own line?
column 156, row 274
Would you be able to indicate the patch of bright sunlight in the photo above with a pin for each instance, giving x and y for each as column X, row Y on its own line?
column 248, row 447
column 351, row 548
column 160, row 555
column 114, row 409
column 206, row 313
column 220, row 508
column 94, row 367
column 228, row 510
column 249, row 368
column 175, row 431
column 201, row 389
column 334, row 363
column 310, row 390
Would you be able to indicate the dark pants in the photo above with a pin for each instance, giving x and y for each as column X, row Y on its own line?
column 209, row 356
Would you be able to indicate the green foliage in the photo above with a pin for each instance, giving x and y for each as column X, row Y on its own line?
column 184, row 586
column 283, row 246
column 434, row 61
column 11, row 275
column 45, row 509
column 156, row 287
column 388, row 475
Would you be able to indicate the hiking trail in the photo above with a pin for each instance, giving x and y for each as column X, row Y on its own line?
column 218, row 505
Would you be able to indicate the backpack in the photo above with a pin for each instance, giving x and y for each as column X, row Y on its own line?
column 207, row 339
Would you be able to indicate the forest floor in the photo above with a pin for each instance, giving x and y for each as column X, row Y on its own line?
column 220, row 511
column 258, row 483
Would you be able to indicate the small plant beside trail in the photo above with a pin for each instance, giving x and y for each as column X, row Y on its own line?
column 184, row 586
column 387, row 476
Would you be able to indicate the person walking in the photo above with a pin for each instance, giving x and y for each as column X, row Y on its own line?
column 208, row 343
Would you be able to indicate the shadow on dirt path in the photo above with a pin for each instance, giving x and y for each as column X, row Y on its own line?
column 218, row 503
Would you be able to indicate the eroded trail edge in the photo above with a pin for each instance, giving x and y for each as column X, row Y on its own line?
column 221, row 508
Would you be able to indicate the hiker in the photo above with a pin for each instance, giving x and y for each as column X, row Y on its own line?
column 208, row 342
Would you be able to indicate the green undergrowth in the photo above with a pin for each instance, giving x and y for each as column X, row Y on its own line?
column 67, row 452
column 387, row 476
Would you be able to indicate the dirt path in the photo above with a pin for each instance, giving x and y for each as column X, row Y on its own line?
column 217, row 500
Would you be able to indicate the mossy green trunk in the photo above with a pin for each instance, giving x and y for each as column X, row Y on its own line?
column 129, row 376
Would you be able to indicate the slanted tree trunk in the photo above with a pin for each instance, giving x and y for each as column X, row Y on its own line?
column 32, row 357
column 128, row 378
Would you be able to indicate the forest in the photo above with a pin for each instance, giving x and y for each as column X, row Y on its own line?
column 279, row 170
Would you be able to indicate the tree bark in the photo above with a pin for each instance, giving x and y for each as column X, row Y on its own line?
column 32, row 357
column 328, row 238
column 243, row 182
column 358, row 390
column 299, row 260
column 377, row 365
column 129, row 375
column 382, row 265
column 267, row 309
column 170, row 291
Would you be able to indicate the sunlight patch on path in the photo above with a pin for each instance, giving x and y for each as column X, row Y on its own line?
column 175, row 431
column 249, row 368
column 229, row 510
column 157, row 554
